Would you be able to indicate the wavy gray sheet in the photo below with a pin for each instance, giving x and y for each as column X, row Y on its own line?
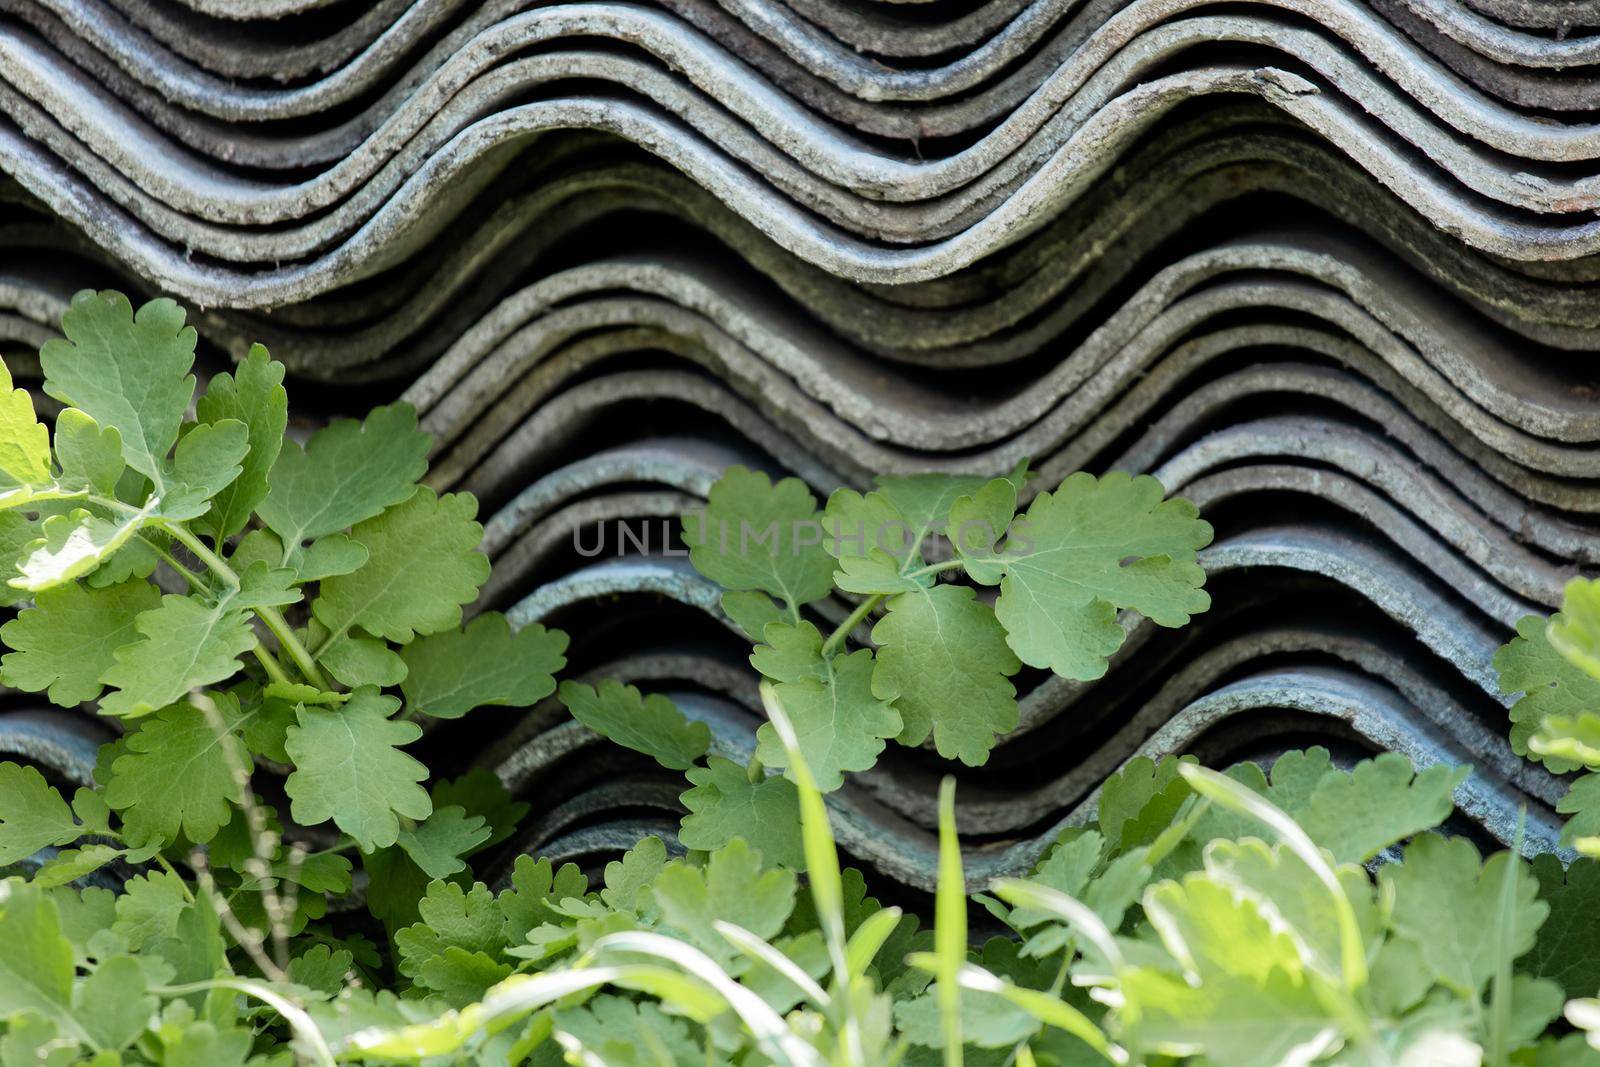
column 783, row 210
column 1200, row 169
column 796, row 181
column 811, row 65
column 1418, row 103
column 1330, row 269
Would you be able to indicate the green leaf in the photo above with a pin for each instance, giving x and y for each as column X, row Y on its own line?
column 637, row 869
column 348, row 472
column 1079, row 554
column 264, row 725
column 127, row 371
column 1295, row 777
column 32, row 814
column 187, row 642
column 755, row 535
column 1358, row 814
column 874, row 543
column 1550, row 686
column 321, row 968
column 18, row 532
column 1575, row 632
column 622, row 1033
column 1447, row 903
column 91, row 809
column 390, row 596
column 1213, row 931
column 924, row 499
column 461, row 977
column 36, row 961
column 24, row 442
column 1574, row 738
column 1568, row 948
column 750, row 610
column 202, row 1044
column 1130, row 796
column 356, row 658
column 451, row 917
column 977, row 525
column 1582, row 802
column 480, row 792
column 74, row 544
column 253, row 395
column 149, row 908
column 261, row 586
column 944, row 665
column 33, row 1041
column 136, row 559
column 394, row 885
column 208, row 459
column 839, row 724
column 323, row 558
column 1399, row 976
column 725, row 804
column 536, row 886
column 1234, row 1021
column 1290, row 894
column 68, row 639
column 113, row 1004
column 438, row 842
column 89, row 454
column 1534, row 1004
column 320, row 872
column 84, row 913
column 349, row 768
column 1066, row 869
column 70, row 864
column 180, row 774
column 449, row 674
column 652, row 725
column 988, row 1020
column 1570, row 1051
column 734, row 887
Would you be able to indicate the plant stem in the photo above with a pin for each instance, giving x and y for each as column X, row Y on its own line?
column 864, row 608
column 270, row 664
column 851, row 621
column 271, row 616
column 937, row 568
column 166, row 865
column 268, row 661
column 297, row 652
column 188, row 575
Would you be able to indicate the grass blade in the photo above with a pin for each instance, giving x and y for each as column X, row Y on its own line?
column 1024, row 894
column 1496, row 1054
column 869, row 938
column 759, row 950
column 772, row 1035
column 1046, row 1007
column 950, row 924
column 1241, row 800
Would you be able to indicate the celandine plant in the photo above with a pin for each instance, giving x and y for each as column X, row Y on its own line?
column 249, row 611
column 130, row 499
column 943, row 657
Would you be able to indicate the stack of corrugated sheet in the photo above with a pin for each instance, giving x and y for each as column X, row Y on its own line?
column 1330, row 268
